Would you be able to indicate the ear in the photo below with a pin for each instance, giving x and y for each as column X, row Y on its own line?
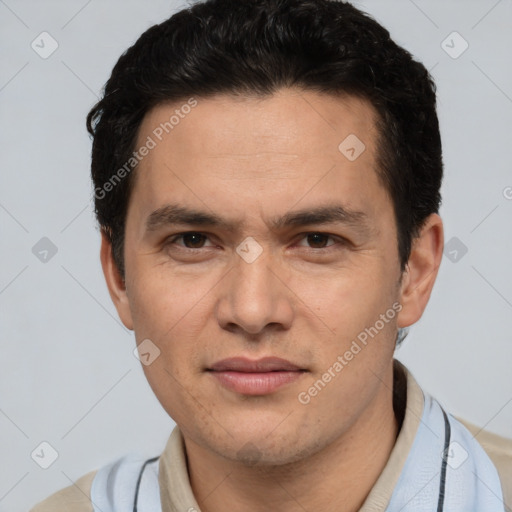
column 421, row 271
column 115, row 283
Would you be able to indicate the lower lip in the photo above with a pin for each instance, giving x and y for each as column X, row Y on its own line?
column 256, row 383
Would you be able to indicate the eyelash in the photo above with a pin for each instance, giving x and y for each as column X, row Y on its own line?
column 337, row 240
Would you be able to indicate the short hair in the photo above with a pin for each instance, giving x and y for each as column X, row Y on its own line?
column 256, row 47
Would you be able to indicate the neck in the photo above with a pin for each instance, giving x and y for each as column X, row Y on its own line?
column 338, row 477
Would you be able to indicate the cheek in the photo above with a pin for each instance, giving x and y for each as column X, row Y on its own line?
column 172, row 317
column 353, row 358
column 165, row 315
column 348, row 299
column 174, row 389
column 163, row 301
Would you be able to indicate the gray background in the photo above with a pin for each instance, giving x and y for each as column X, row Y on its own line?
column 69, row 376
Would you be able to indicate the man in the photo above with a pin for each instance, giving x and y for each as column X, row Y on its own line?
column 267, row 177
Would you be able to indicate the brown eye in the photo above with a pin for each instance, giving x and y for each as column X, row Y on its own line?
column 317, row 240
column 193, row 240
column 190, row 240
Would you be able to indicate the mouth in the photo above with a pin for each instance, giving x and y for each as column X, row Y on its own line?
column 255, row 377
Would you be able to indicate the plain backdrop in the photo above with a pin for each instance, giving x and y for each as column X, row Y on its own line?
column 68, row 375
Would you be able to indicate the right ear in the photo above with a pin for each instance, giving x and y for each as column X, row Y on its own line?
column 115, row 282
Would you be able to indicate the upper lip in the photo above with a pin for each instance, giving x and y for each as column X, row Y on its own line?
column 265, row 364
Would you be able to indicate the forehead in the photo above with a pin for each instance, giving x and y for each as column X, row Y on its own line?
column 276, row 148
column 250, row 123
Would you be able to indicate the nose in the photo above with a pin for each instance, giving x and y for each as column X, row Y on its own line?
column 255, row 297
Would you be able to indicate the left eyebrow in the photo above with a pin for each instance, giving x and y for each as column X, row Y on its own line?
column 334, row 214
column 174, row 214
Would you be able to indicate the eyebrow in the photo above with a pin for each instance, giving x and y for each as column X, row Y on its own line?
column 172, row 214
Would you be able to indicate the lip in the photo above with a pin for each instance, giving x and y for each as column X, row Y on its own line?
column 243, row 364
column 255, row 377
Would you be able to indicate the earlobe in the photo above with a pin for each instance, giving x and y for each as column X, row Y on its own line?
column 421, row 272
column 115, row 283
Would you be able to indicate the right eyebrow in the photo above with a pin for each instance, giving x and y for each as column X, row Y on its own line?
column 171, row 214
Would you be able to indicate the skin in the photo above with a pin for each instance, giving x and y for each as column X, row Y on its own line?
column 251, row 160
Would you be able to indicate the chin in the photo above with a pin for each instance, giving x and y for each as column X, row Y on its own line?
column 264, row 456
column 257, row 450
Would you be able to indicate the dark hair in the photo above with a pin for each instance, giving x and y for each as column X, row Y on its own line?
column 256, row 47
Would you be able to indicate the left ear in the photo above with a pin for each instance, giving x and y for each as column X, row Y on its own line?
column 115, row 283
column 421, row 271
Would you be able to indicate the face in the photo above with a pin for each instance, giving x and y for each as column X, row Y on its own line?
column 257, row 252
